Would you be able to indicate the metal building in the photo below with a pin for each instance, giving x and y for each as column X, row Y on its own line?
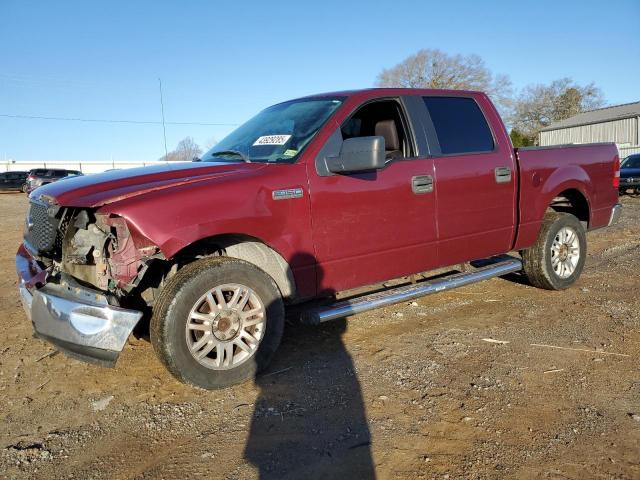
column 619, row 124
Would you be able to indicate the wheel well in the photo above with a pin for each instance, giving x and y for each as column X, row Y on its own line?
column 571, row 201
column 246, row 248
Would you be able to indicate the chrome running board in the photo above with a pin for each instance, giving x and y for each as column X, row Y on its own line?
column 317, row 315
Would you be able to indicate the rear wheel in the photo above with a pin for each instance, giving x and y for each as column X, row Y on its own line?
column 218, row 322
column 556, row 260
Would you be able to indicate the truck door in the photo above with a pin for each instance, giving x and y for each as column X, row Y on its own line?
column 475, row 178
column 373, row 226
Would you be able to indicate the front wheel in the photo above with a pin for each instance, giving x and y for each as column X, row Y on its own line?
column 557, row 258
column 218, row 322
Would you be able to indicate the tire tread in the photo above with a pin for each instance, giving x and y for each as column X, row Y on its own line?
column 169, row 295
column 534, row 258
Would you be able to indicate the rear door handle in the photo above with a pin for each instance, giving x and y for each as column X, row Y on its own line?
column 503, row 174
column 422, row 184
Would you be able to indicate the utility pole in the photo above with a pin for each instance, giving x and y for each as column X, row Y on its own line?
column 164, row 130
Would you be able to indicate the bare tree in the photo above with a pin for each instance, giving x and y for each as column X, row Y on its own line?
column 433, row 68
column 210, row 142
column 540, row 105
column 185, row 151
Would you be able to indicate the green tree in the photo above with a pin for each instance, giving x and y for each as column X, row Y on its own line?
column 520, row 140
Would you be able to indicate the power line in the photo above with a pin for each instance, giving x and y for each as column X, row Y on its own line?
column 102, row 120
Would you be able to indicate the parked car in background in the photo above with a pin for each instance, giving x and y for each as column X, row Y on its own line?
column 630, row 174
column 13, row 180
column 42, row 176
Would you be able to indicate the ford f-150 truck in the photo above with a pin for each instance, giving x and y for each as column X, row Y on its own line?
column 311, row 197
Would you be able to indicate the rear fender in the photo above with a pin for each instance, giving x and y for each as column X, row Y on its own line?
column 570, row 177
column 535, row 202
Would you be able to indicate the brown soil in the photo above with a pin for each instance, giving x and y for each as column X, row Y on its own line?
column 409, row 391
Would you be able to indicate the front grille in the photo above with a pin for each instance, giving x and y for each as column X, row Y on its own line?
column 63, row 224
column 42, row 228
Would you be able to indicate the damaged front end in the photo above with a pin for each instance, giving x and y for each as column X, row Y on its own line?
column 77, row 268
column 99, row 249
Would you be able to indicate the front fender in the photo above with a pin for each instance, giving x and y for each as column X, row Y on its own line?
column 246, row 206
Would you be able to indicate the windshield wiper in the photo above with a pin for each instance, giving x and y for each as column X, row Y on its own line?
column 232, row 152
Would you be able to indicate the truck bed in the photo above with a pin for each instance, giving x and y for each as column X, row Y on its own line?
column 546, row 172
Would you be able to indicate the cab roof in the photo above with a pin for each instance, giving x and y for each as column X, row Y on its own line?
column 385, row 91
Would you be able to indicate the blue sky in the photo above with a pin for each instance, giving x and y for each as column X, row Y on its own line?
column 222, row 62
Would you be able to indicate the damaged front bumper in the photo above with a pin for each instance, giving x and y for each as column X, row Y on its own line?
column 75, row 319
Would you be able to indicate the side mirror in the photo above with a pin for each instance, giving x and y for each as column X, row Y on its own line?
column 359, row 154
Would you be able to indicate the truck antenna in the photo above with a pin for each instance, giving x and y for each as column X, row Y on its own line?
column 164, row 129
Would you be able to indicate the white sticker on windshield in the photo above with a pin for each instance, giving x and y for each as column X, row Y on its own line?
column 272, row 140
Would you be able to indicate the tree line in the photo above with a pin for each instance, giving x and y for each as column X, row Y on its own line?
column 525, row 112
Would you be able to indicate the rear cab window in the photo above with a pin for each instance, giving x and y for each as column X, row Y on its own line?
column 460, row 125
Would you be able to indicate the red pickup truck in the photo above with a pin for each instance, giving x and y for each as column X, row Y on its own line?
column 311, row 197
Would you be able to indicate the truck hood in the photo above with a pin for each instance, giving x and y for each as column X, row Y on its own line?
column 99, row 189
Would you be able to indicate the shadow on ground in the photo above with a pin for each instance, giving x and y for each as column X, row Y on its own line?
column 309, row 420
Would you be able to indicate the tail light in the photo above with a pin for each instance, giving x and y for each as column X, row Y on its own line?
column 616, row 173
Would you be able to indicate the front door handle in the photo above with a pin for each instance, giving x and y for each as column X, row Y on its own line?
column 422, row 184
column 503, row 174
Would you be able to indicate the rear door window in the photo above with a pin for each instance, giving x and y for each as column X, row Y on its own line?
column 460, row 125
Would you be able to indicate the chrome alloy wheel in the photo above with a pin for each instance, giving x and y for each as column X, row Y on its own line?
column 565, row 252
column 225, row 326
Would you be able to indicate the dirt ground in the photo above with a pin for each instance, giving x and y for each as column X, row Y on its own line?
column 418, row 390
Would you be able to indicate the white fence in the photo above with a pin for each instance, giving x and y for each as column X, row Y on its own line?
column 84, row 167
column 101, row 166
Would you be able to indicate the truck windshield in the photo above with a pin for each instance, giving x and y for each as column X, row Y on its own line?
column 277, row 134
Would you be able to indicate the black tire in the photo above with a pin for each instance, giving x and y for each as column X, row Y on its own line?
column 181, row 293
column 537, row 260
